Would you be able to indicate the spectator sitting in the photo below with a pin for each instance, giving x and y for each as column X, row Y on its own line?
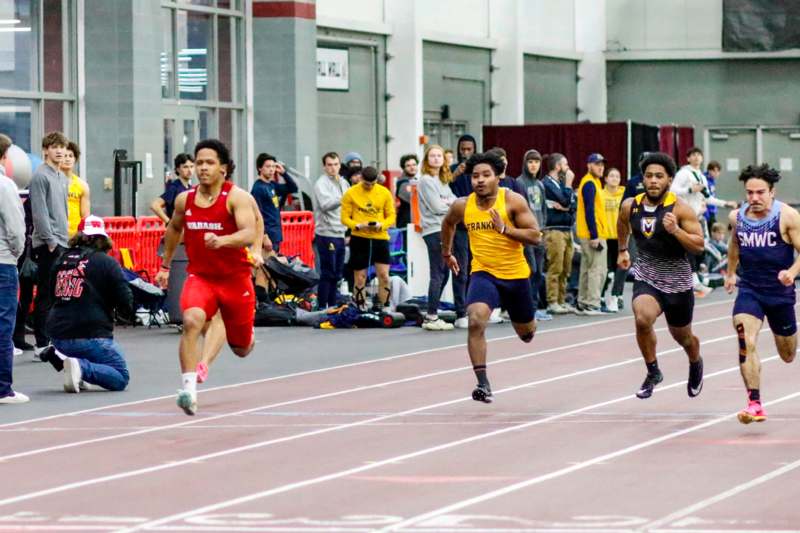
column 88, row 285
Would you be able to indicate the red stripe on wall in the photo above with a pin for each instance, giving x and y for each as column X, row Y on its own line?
column 302, row 10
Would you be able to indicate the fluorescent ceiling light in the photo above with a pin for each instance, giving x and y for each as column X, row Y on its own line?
column 10, row 21
column 19, row 29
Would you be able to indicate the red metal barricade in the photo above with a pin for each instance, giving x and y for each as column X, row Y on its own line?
column 122, row 231
column 149, row 232
column 298, row 235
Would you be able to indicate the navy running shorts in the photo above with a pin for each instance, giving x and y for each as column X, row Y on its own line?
column 513, row 295
column 678, row 308
column 779, row 311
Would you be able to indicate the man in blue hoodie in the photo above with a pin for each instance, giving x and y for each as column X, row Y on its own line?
column 561, row 204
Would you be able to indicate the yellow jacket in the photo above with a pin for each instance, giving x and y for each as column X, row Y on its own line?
column 360, row 206
column 582, row 228
column 613, row 201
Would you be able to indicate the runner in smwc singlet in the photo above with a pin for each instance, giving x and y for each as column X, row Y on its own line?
column 498, row 223
column 765, row 235
column 665, row 228
column 218, row 224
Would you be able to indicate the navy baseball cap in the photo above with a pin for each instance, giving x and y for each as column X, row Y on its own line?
column 596, row 158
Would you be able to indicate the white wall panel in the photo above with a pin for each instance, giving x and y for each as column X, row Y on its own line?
column 548, row 24
column 469, row 18
column 361, row 10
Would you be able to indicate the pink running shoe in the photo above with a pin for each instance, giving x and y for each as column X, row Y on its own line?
column 753, row 413
column 202, row 372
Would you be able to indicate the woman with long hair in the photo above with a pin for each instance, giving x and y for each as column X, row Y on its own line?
column 435, row 198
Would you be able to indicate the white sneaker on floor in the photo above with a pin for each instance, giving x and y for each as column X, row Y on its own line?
column 462, row 323
column 495, row 317
column 505, row 316
column 556, row 309
column 611, row 304
column 17, row 352
column 187, row 401
column 701, row 291
column 436, row 324
column 72, row 375
column 14, row 397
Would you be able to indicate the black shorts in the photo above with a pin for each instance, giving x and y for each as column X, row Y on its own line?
column 777, row 308
column 678, row 307
column 513, row 295
column 366, row 252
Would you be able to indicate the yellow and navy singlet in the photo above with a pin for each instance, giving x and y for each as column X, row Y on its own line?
column 661, row 259
column 493, row 252
column 74, row 195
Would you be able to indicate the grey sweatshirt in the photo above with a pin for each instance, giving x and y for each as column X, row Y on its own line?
column 328, row 194
column 12, row 223
column 435, row 199
column 49, row 207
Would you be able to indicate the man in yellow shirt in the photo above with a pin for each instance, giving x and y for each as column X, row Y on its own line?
column 592, row 232
column 368, row 211
column 78, row 196
column 499, row 223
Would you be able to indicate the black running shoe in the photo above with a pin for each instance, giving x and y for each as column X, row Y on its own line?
column 482, row 393
column 695, row 383
column 650, row 382
column 49, row 356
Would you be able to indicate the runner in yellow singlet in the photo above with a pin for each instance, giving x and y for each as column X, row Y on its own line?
column 78, row 202
column 499, row 224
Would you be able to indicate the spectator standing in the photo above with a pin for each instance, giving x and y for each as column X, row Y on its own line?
column 560, row 202
column 164, row 205
column 368, row 210
column 268, row 193
column 78, row 193
column 507, row 181
column 27, row 278
column 330, row 230
column 435, row 199
column 408, row 163
column 48, row 197
column 462, row 187
column 713, row 172
column 12, row 244
column 449, row 157
column 612, row 199
column 351, row 164
column 592, row 232
column 88, row 286
column 635, row 184
column 535, row 253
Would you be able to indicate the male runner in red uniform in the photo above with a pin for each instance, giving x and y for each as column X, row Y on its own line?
column 217, row 221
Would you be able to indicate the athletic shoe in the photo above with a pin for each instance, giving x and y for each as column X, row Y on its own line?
column 17, row 352
column 202, row 372
column 436, row 324
column 49, row 356
column 557, row 309
column 84, row 386
column 14, row 397
column 543, row 315
column 620, row 303
column 72, row 375
column 588, row 310
column 187, row 401
column 753, row 413
column 650, row 382
column 611, row 304
column 462, row 323
column 495, row 317
column 482, row 393
column 569, row 308
column 504, row 315
column 701, row 291
column 695, row 383
column 23, row 345
column 37, row 353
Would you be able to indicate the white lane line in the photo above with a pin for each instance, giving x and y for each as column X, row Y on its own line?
column 289, row 438
column 713, row 500
column 48, row 449
column 419, row 453
column 569, row 470
column 330, row 368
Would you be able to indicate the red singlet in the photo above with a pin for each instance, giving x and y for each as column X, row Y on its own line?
column 222, row 262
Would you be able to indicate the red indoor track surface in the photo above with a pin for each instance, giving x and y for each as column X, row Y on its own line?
column 398, row 445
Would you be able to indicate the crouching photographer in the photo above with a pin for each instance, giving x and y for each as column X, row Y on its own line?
column 87, row 286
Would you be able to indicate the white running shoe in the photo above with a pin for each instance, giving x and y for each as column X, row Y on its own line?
column 495, row 317
column 436, row 324
column 17, row 352
column 611, row 304
column 462, row 323
column 187, row 401
column 72, row 375
column 14, row 397
column 556, row 309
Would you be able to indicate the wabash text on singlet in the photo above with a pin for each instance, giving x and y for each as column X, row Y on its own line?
column 216, row 219
column 763, row 254
column 661, row 260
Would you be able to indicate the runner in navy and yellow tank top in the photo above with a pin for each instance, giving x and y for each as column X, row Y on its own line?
column 665, row 228
column 218, row 220
column 499, row 223
column 765, row 235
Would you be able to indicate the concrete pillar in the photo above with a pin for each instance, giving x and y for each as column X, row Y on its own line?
column 404, row 79
column 590, row 40
column 284, row 81
column 508, row 80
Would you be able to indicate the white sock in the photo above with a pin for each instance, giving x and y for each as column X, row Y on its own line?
column 61, row 355
column 189, row 382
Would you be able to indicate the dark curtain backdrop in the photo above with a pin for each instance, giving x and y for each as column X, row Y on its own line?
column 685, row 141
column 666, row 140
column 644, row 138
column 575, row 141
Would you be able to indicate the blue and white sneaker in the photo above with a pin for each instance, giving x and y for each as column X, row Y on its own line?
column 187, row 401
column 543, row 315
